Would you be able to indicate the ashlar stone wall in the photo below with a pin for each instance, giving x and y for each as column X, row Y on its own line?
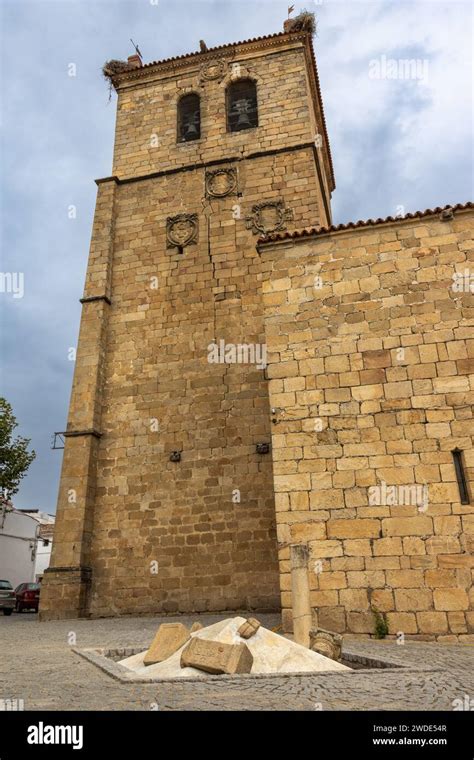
column 137, row 530
column 370, row 334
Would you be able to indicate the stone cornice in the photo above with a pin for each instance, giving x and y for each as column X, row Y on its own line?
column 90, row 299
column 207, row 164
column 289, row 238
column 191, row 60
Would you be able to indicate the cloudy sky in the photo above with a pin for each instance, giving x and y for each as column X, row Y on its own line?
column 395, row 143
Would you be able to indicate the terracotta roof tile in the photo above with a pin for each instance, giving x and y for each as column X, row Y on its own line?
column 312, row 231
column 46, row 531
column 318, row 88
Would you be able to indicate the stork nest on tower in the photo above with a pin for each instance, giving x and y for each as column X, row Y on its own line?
column 110, row 69
column 303, row 22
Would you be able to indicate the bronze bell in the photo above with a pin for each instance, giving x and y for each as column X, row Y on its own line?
column 242, row 108
column 190, row 130
column 175, row 456
column 243, row 120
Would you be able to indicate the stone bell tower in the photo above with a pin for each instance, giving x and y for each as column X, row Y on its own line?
column 166, row 498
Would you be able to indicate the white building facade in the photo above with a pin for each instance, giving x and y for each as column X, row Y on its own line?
column 26, row 538
column 45, row 540
column 18, row 542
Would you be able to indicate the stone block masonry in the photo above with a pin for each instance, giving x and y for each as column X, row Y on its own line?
column 232, row 398
column 371, row 347
column 165, row 504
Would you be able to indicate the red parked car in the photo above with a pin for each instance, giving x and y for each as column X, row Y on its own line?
column 27, row 596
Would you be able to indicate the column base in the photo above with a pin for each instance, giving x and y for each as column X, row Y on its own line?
column 65, row 593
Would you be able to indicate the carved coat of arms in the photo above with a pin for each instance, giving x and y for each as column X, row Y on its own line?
column 268, row 216
column 181, row 230
column 221, row 182
column 213, row 69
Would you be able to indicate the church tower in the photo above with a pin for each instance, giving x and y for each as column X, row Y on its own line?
column 166, row 500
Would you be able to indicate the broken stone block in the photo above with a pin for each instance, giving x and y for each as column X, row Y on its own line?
column 195, row 627
column 216, row 657
column 249, row 628
column 326, row 643
column 168, row 639
column 271, row 654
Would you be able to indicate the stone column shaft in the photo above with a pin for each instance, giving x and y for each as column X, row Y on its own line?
column 299, row 556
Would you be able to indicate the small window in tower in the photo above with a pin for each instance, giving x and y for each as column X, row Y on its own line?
column 242, row 111
column 189, row 118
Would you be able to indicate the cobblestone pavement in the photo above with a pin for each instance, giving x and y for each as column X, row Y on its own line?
column 38, row 666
